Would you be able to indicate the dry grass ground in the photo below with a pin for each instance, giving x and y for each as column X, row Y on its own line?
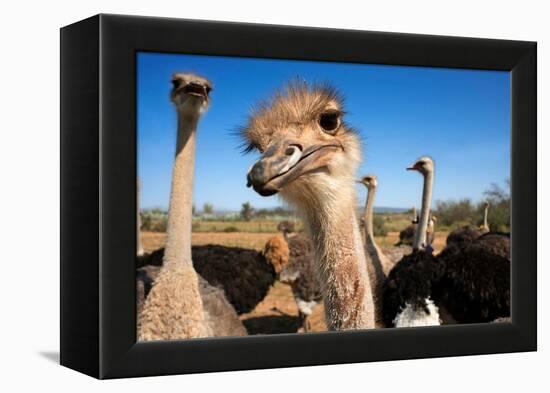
column 253, row 226
column 154, row 240
column 393, row 237
column 277, row 313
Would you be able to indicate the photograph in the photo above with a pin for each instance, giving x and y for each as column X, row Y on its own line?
column 294, row 197
column 273, row 197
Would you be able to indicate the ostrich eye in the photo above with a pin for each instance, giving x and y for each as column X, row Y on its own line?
column 176, row 83
column 330, row 121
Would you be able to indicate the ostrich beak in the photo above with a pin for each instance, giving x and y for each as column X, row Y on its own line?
column 284, row 162
column 196, row 89
column 276, row 161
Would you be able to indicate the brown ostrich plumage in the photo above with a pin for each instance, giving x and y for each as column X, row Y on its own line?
column 276, row 252
column 293, row 259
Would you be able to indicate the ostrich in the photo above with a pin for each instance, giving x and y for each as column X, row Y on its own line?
column 381, row 264
column 469, row 233
column 465, row 283
column 485, row 226
column 406, row 299
column 496, row 242
column 430, row 231
column 297, row 269
column 174, row 308
column 380, row 261
column 309, row 156
column 463, row 235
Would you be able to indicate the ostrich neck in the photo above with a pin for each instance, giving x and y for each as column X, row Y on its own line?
column 485, row 213
column 420, row 236
column 369, row 212
column 178, row 238
column 374, row 263
column 341, row 263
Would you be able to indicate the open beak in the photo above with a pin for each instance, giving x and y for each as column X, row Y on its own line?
column 197, row 90
column 284, row 162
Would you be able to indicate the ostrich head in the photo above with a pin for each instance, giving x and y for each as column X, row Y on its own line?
column 486, row 204
column 424, row 165
column 286, row 227
column 308, row 151
column 190, row 93
column 369, row 181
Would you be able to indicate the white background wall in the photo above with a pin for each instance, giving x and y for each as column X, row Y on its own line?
column 29, row 192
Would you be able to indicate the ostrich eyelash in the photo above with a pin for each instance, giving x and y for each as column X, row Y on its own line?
column 249, row 148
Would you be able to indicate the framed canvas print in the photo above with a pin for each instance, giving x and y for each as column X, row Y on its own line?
column 239, row 196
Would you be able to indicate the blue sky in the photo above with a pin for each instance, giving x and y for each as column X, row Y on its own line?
column 459, row 117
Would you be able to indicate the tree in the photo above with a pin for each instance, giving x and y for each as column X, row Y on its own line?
column 208, row 208
column 455, row 213
column 499, row 209
column 247, row 211
column 194, row 210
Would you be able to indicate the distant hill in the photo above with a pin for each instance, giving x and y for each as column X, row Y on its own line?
column 384, row 209
column 230, row 212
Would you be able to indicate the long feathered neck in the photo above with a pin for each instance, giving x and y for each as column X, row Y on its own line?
column 332, row 223
column 369, row 212
column 178, row 238
column 420, row 236
column 375, row 261
column 485, row 215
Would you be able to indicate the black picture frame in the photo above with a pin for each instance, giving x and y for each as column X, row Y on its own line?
column 98, row 194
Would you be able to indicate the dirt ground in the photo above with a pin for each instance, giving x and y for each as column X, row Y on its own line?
column 154, row 240
column 278, row 312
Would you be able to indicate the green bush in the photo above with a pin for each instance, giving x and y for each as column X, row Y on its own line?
column 247, row 211
column 499, row 209
column 379, row 226
column 154, row 220
column 450, row 213
column 159, row 225
column 231, row 229
column 454, row 214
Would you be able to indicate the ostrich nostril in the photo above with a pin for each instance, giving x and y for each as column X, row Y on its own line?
column 293, row 149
